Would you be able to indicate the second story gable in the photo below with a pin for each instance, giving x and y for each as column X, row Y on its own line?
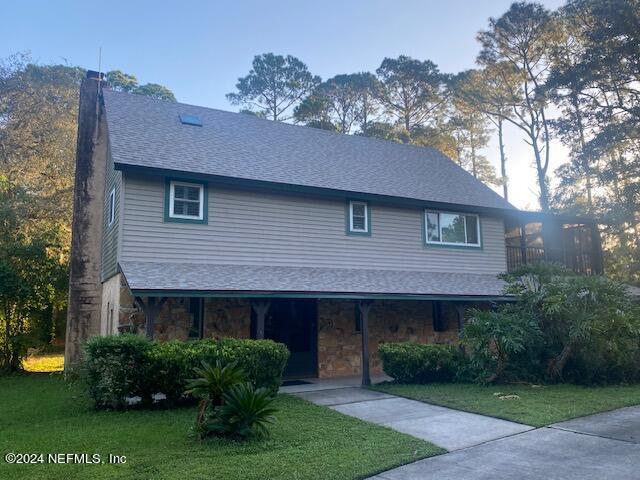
column 196, row 185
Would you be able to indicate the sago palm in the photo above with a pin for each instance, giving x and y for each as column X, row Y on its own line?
column 212, row 383
column 245, row 411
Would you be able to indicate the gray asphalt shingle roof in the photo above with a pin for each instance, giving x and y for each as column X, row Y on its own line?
column 250, row 278
column 148, row 133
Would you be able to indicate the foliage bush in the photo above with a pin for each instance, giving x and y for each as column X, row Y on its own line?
column 562, row 327
column 500, row 343
column 409, row 362
column 127, row 365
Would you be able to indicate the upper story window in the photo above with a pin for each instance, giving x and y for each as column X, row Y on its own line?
column 186, row 201
column 112, row 206
column 458, row 229
column 359, row 221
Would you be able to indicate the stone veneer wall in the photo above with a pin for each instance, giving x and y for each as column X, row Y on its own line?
column 223, row 317
column 339, row 345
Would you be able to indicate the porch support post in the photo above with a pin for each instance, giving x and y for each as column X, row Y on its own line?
column 460, row 312
column 523, row 243
column 261, row 309
column 365, row 307
column 151, row 308
column 596, row 251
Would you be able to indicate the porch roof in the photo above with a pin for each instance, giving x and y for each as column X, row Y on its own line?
column 184, row 279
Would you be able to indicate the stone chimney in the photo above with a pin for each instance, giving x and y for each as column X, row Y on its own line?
column 85, row 289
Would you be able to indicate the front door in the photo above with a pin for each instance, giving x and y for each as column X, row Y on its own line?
column 294, row 323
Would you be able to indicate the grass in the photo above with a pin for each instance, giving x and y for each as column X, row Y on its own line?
column 39, row 413
column 44, row 363
column 534, row 405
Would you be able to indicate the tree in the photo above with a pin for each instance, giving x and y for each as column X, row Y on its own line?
column 594, row 82
column 412, row 91
column 468, row 124
column 313, row 111
column 274, row 85
column 523, row 38
column 382, row 131
column 38, row 108
column 123, row 82
column 368, row 88
column 340, row 103
column 33, row 272
column 491, row 91
column 155, row 90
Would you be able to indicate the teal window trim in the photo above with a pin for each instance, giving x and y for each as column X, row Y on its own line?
column 111, row 208
column 204, row 197
column 465, row 246
column 349, row 224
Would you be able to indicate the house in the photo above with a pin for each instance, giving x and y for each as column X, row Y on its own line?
column 192, row 222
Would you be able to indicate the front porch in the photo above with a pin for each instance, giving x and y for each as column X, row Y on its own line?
column 328, row 338
column 331, row 319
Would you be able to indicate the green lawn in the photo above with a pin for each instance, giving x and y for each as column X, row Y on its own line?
column 53, row 362
column 39, row 413
column 534, row 405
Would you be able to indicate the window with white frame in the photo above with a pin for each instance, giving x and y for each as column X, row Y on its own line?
column 358, row 217
column 112, row 206
column 186, row 200
column 444, row 228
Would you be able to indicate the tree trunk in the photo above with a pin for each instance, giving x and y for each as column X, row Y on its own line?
column 7, row 336
column 556, row 365
column 542, row 175
column 474, row 168
column 503, row 161
column 584, row 161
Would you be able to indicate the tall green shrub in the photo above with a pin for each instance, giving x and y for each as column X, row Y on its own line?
column 502, row 344
column 117, row 367
column 561, row 327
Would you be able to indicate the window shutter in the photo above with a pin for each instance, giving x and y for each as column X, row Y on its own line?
column 186, row 200
column 359, row 217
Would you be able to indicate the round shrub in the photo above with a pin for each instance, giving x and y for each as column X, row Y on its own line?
column 409, row 362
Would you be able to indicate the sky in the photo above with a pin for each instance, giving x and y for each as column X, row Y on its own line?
column 198, row 49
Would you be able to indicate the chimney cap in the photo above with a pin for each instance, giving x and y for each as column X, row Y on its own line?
column 92, row 74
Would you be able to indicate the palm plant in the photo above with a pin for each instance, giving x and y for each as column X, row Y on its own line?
column 211, row 384
column 245, row 411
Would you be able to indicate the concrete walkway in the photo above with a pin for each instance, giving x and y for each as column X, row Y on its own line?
column 447, row 428
column 598, row 447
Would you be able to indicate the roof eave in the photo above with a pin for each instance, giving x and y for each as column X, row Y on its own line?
column 138, row 292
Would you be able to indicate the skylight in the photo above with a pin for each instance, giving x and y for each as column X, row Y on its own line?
column 190, row 120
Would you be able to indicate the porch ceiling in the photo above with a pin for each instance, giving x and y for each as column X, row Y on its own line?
column 166, row 279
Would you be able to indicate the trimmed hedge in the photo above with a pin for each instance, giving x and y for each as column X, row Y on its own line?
column 113, row 369
column 122, row 366
column 409, row 362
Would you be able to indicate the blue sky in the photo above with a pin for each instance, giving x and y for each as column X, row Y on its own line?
column 199, row 49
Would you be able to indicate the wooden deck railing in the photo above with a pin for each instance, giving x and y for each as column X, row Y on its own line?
column 579, row 262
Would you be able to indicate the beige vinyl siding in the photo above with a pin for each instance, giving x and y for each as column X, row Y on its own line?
column 255, row 228
column 110, row 233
